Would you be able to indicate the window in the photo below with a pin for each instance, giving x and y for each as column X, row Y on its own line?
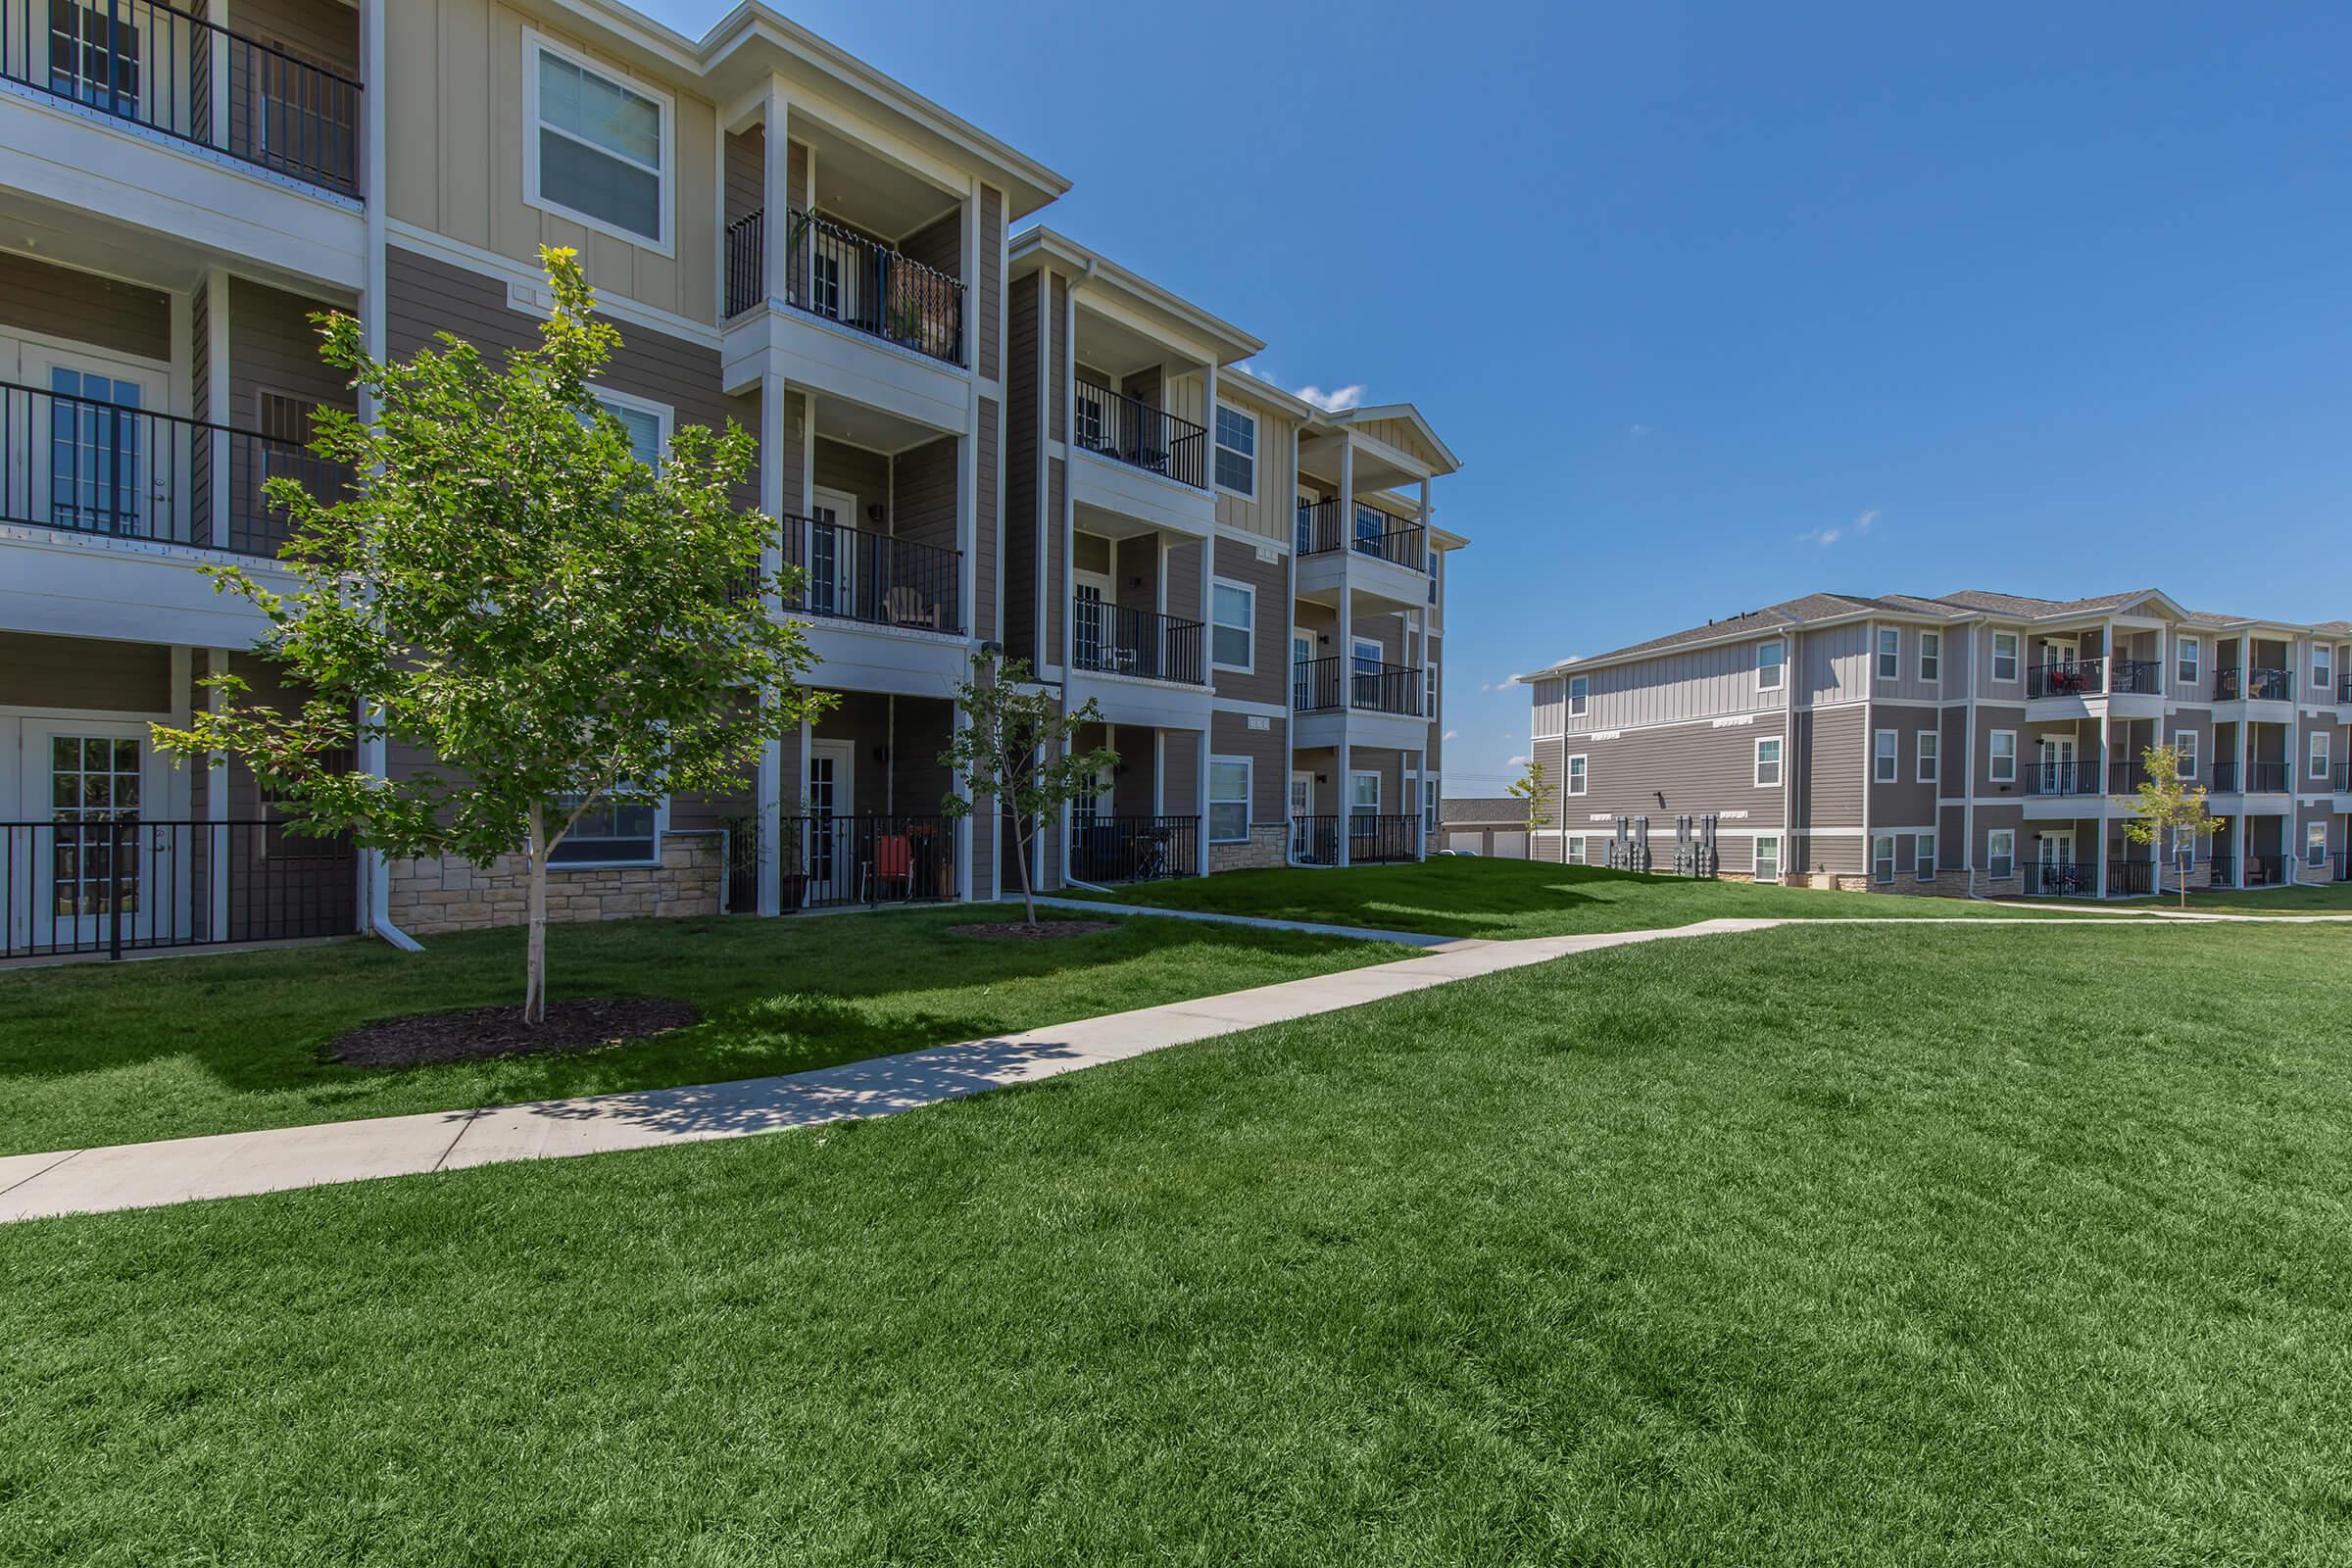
column 1930, row 656
column 2000, row 853
column 1233, row 609
column 596, row 154
column 1580, row 696
column 1923, row 857
column 2004, row 656
column 1429, row 806
column 1576, row 774
column 2315, row 844
column 611, row 833
column 1228, row 800
column 2184, row 845
column 2184, row 745
column 646, row 425
column 1891, row 653
column 1771, row 667
column 1363, row 795
column 2187, row 652
column 1576, row 849
column 1882, row 858
column 1768, row 858
column 1429, row 692
column 1927, row 740
column 1768, row 764
column 1236, row 452
column 1884, row 760
column 2003, row 757
column 2319, row 755
column 2322, row 672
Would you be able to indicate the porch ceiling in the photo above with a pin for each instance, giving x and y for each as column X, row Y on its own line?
column 87, row 239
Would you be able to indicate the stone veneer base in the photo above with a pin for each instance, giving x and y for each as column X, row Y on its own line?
column 433, row 897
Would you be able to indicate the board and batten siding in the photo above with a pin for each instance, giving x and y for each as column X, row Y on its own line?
column 1272, row 513
column 1834, row 664
column 1906, row 686
column 454, row 155
column 1673, row 687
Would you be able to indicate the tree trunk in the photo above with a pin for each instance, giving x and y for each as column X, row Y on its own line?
column 534, row 983
column 1020, row 843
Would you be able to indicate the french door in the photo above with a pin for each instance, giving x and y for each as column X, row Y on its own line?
column 2056, row 765
column 1090, row 631
column 84, row 457
column 831, row 803
column 80, row 779
column 833, row 554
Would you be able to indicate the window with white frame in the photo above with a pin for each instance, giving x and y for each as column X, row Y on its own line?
column 2004, row 656
column 1575, row 852
column 1928, row 744
column 1923, row 857
column 646, row 424
column 1891, row 653
column 1429, row 691
column 2184, row 754
column 1882, row 858
column 2001, row 756
column 2188, row 653
column 2000, row 853
column 1768, row 762
column 1580, row 696
column 2319, row 755
column 1768, row 858
column 1228, row 800
column 1885, row 759
column 1236, row 452
column 1233, row 616
column 2322, row 672
column 2315, row 844
column 611, row 833
column 1772, row 667
column 596, row 147
column 1429, row 806
column 1576, row 774
column 1931, row 657
column 1363, row 795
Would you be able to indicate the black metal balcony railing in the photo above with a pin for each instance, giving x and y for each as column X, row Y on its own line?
column 2221, row 870
column 834, row 862
column 2253, row 778
column 2261, row 685
column 2344, row 866
column 122, row 884
column 2062, row 778
column 1134, row 849
column 2066, row 677
column 1373, row 532
column 853, row 574
column 2060, row 880
column 842, row 275
column 1118, row 641
column 2343, row 778
column 1316, row 840
column 2265, row 870
column 1139, row 435
column 93, row 466
column 2127, row 878
column 2343, row 689
column 2142, row 676
column 1374, row 840
column 1316, row 684
column 157, row 67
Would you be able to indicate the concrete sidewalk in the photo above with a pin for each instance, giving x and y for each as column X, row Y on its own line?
column 236, row 1164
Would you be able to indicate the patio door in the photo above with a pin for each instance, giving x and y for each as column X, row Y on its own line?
column 80, row 778
column 1302, row 807
column 1092, row 636
column 833, row 553
column 87, row 458
column 831, row 804
column 2057, row 765
column 2056, row 852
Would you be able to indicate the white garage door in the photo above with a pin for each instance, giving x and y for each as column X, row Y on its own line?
column 1510, row 844
column 1466, row 838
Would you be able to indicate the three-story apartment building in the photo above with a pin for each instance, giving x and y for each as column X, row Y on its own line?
column 1969, row 743
column 971, row 439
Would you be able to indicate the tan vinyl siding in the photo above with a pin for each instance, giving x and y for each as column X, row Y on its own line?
column 746, row 173
column 1268, row 679
column 74, row 672
column 1833, row 663
column 1549, row 705
column 1271, row 514
column 1700, row 683
column 923, row 507
column 1907, row 686
column 84, row 307
column 454, row 155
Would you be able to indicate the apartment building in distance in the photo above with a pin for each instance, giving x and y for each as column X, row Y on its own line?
column 974, row 438
column 1972, row 743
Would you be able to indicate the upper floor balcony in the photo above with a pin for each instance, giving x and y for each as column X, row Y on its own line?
column 1362, row 549
column 1110, row 639
column 166, row 71
column 2254, row 684
column 1322, row 686
column 855, row 280
column 1131, row 431
column 873, row 580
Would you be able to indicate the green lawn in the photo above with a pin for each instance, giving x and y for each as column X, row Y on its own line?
column 2327, row 898
column 98, row 1053
column 1740, row 1250
column 1464, row 897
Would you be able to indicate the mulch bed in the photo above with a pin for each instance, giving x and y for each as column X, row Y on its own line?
column 1043, row 931
column 477, row 1034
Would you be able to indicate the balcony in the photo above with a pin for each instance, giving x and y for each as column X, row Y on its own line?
column 2250, row 778
column 165, row 70
column 2056, row 780
column 1371, row 839
column 1134, row 849
column 832, row 863
column 1127, row 430
column 2141, row 677
column 91, row 467
column 2061, row 879
column 1374, row 688
column 874, row 578
column 1379, row 534
column 2260, row 685
column 2066, row 677
column 94, row 881
column 844, row 277
column 1143, row 644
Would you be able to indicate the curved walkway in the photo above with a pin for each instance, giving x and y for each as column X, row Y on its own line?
column 238, row 1164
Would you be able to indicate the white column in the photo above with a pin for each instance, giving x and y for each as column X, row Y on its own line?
column 216, row 405
column 1344, row 786
column 1420, row 811
column 375, row 885
column 768, row 785
column 775, row 185
column 218, row 12
column 1208, row 426
column 2101, row 826
column 1200, row 798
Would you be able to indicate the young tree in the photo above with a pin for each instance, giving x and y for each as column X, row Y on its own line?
column 1530, row 787
column 1018, row 748
column 2167, row 807
column 560, row 627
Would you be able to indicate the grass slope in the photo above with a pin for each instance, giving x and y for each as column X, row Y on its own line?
column 95, row 1053
column 1464, row 897
column 2325, row 898
column 1736, row 1251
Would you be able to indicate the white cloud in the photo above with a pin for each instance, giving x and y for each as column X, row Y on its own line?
column 1863, row 522
column 1518, row 761
column 1639, row 430
column 1823, row 537
column 1337, row 400
column 1486, row 685
column 1453, row 735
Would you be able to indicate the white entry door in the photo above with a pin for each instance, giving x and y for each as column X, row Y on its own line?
column 87, row 449
column 831, row 803
column 833, row 553
column 79, row 778
column 2057, row 765
column 1093, row 636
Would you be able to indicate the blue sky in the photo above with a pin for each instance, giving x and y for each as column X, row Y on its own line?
column 1724, row 304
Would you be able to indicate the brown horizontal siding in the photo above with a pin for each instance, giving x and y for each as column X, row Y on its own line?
column 84, row 307
column 1696, row 768
column 75, row 672
column 1268, row 752
column 1268, row 680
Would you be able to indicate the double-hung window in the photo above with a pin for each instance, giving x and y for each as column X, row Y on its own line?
column 1575, row 852
column 2004, row 656
column 1576, row 774
column 1768, row 858
column 2188, row 655
column 2184, row 754
column 646, row 425
column 1229, row 800
column 2315, row 844
column 1233, row 616
column 1923, row 857
column 1882, row 858
column 2319, row 750
column 2001, row 759
column 1236, row 452
column 596, row 148
column 1883, row 758
column 2000, row 853
column 1580, row 696
column 1926, row 742
column 1931, row 657
column 609, row 833
column 1768, row 762
column 1772, row 667
column 1891, row 653
column 2323, row 673
column 1363, row 795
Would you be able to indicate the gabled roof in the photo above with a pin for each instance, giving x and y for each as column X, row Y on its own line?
column 1438, row 453
column 1034, row 245
column 1482, row 808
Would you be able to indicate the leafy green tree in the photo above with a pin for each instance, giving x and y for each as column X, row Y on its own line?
column 2166, row 807
column 1531, row 788
column 1019, row 747
column 560, row 627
